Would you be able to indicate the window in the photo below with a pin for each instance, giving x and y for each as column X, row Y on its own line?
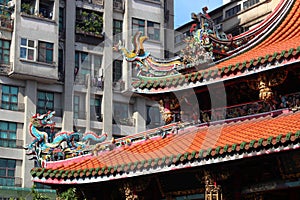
column 117, row 30
column 117, row 70
column 96, row 108
column 153, row 115
column 7, row 172
column 61, row 20
column 8, row 134
column 45, row 52
column 97, row 63
column 138, row 25
column 45, row 102
column 46, row 8
column 178, row 38
column 153, row 30
column 218, row 20
column 250, row 3
column 120, row 111
column 4, row 51
column 232, row 11
column 76, row 107
column 9, row 100
column 61, row 64
column 27, row 50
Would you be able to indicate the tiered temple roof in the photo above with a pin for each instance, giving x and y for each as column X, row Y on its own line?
column 191, row 146
column 179, row 146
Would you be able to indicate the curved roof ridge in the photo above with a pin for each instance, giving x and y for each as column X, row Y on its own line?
column 265, row 34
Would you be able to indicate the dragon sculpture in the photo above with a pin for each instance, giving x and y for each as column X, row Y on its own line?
column 43, row 149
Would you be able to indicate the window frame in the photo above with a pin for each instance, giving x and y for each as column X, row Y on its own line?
column 233, row 11
column 44, row 50
column 7, row 169
column 117, row 30
column 152, row 36
column 4, row 52
column 45, row 108
column 10, row 95
column 27, row 47
column 76, row 105
column 95, row 105
column 117, row 70
column 136, row 26
column 8, row 136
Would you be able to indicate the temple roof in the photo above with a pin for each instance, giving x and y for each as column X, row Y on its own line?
column 277, row 45
column 190, row 146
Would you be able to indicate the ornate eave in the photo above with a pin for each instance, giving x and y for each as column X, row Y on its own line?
column 190, row 147
column 270, row 48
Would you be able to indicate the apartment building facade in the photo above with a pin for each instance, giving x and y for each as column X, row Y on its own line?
column 58, row 55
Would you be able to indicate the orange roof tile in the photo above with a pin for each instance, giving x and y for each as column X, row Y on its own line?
column 190, row 143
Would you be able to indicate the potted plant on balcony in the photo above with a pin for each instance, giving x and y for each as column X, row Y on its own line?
column 91, row 24
column 27, row 8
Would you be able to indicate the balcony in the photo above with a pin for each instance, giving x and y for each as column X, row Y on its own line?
column 95, row 82
column 119, row 86
column 89, row 3
column 124, row 121
column 251, row 108
column 5, row 68
column 6, row 23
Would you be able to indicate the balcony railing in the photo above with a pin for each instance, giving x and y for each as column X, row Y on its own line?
column 95, row 2
column 119, row 86
column 80, row 115
column 95, row 82
column 292, row 102
column 5, row 68
column 124, row 121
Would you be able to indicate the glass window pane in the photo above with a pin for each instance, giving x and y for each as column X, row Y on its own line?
column 12, row 136
column 3, row 135
column 41, row 95
column 5, row 143
column 30, row 43
column 5, row 89
column 11, row 163
column 6, row 44
column 24, row 41
column 41, row 103
column 14, row 99
column 11, row 173
column 2, row 172
column 30, row 54
column 12, row 126
column 49, row 96
column 14, row 90
column 49, row 56
column 5, row 97
column 4, row 126
column 5, row 106
column 50, row 105
column 23, row 52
